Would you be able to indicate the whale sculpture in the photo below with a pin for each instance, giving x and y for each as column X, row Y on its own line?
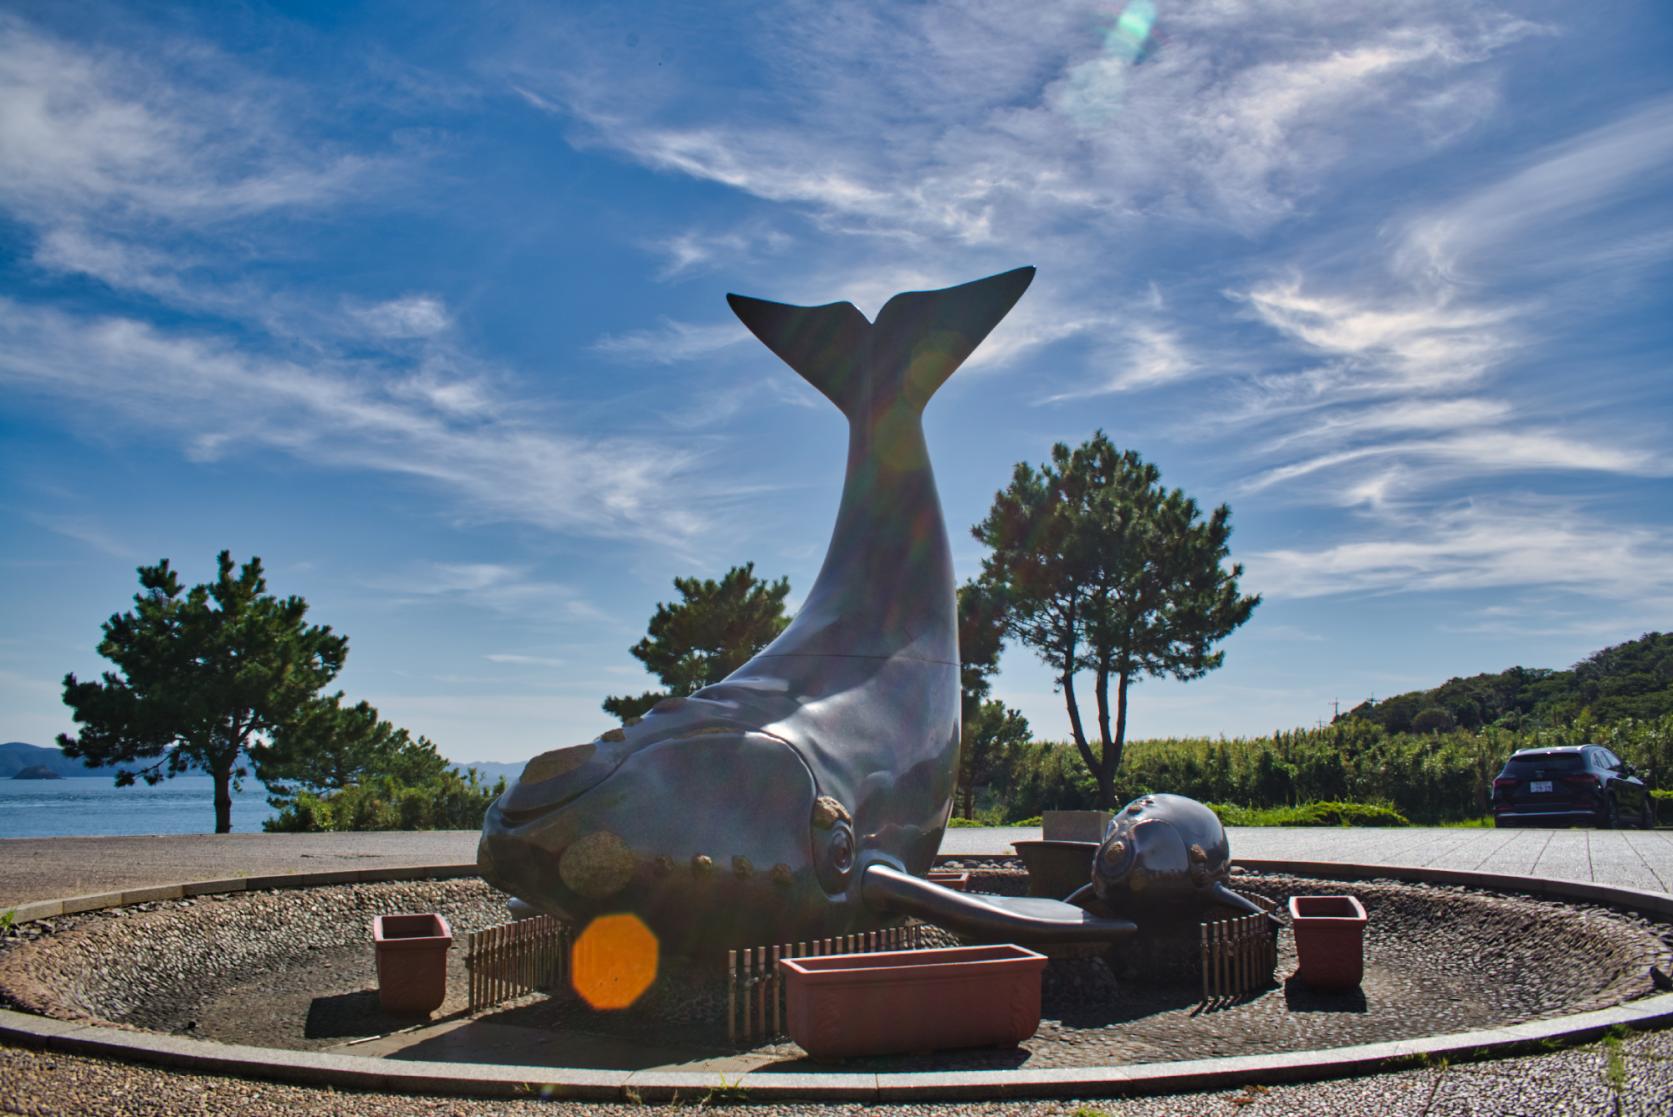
column 805, row 795
column 1164, row 858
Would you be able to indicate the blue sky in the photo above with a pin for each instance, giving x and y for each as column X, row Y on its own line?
column 424, row 304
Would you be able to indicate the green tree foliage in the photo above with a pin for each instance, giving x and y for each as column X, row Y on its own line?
column 1104, row 571
column 1629, row 680
column 1433, row 719
column 706, row 636
column 985, row 740
column 991, row 740
column 202, row 677
column 330, row 746
column 1444, row 776
column 444, row 801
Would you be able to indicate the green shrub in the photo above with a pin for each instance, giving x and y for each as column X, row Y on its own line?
column 1310, row 814
column 444, row 802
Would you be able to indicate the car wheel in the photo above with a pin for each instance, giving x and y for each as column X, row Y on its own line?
column 1647, row 816
column 1503, row 824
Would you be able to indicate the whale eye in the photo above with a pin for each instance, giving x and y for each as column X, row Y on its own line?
column 833, row 844
column 842, row 850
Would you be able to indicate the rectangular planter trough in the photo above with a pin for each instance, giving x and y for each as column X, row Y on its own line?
column 412, row 962
column 950, row 878
column 913, row 1000
column 1329, row 941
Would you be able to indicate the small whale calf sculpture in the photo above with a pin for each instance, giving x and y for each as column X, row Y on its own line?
column 1164, row 857
column 805, row 795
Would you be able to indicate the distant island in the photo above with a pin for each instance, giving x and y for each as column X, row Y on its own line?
column 17, row 757
column 37, row 772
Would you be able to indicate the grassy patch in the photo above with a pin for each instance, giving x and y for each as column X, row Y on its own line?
column 1615, row 1067
column 1311, row 814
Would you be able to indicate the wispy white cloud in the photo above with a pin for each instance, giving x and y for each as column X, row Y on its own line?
column 1149, row 357
column 410, row 316
column 672, row 341
column 1424, row 345
column 1004, row 121
column 218, row 399
column 90, row 533
column 1405, row 396
column 522, row 660
column 95, row 134
column 694, row 250
column 1600, row 192
column 1480, row 452
column 1476, row 545
column 508, row 589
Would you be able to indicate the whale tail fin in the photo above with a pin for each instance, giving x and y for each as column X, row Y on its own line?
column 918, row 340
column 826, row 345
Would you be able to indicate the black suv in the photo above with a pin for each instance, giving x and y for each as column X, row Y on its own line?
column 1571, row 783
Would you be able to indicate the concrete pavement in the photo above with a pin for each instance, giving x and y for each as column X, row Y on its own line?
column 48, row 868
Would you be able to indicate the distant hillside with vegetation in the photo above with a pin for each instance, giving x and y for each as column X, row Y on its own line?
column 1430, row 755
column 1631, row 680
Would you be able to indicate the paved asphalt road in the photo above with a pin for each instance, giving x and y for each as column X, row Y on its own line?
column 48, row 868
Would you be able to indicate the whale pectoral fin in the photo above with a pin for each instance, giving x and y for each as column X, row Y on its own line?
column 1081, row 897
column 824, row 344
column 1223, row 895
column 928, row 334
column 984, row 918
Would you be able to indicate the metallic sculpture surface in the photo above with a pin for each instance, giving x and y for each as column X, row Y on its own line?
column 751, row 811
column 1165, row 859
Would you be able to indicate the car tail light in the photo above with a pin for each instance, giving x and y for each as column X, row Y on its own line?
column 1505, row 781
column 1583, row 779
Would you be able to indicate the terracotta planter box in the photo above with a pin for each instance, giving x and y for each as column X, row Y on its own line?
column 912, row 1000
column 1329, row 941
column 1056, row 869
column 412, row 962
column 948, row 878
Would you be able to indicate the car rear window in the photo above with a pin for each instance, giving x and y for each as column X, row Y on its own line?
column 1549, row 761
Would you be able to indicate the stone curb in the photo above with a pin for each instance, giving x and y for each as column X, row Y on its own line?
column 1659, row 904
column 489, row 1080
column 98, row 901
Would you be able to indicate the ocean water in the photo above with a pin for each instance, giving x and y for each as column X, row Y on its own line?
column 93, row 806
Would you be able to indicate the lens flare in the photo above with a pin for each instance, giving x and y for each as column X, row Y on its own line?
column 1093, row 90
column 614, row 961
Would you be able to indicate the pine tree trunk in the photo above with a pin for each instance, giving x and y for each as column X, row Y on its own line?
column 223, row 800
column 1108, row 759
column 1119, row 745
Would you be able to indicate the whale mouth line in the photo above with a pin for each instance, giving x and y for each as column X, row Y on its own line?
column 521, row 816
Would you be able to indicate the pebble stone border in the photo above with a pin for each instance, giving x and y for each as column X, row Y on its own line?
column 491, row 1080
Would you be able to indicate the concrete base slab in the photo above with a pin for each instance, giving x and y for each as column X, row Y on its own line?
column 485, row 1041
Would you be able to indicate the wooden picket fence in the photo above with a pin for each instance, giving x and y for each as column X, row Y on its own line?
column 755, row 1009
column 515, row 959
column 1239, row 955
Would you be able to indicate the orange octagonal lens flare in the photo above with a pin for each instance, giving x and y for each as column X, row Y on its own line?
column 614, row 961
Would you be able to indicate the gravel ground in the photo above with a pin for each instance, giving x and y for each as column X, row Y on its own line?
column 1632, row 1077
column 293, row 968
